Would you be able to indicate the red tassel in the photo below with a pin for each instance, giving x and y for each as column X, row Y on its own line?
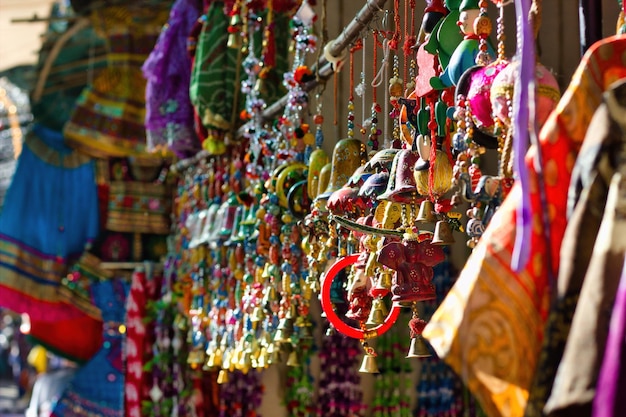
column 416, row 326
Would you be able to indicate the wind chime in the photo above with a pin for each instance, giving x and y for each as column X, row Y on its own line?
column 458, row 107
column 389, row 251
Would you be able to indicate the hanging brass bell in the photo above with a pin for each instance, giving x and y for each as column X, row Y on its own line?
column 378, row 313
column 443, row 234
column 273, row 354
column 383, row 283
column 222, row 377
column 294, row 359
column 226, row 359
column 368, row 365
column 385, row 279
column 284, row 330
column 426, row 213
column 215, row 359
column 418, row 348
column 257, row 315
column 262, row 359
column 245, row 362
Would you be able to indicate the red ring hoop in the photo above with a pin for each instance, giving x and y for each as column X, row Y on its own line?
column 334, row 319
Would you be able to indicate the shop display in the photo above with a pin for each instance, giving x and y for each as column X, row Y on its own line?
column 220, row 230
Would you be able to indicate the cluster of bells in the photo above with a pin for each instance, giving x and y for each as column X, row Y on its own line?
column 389, row 203
column 252, row 353
column 370, row 209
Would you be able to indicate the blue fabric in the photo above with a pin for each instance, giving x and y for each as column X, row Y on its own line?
column 50, row 213
column 98, row 387
column 48, row 208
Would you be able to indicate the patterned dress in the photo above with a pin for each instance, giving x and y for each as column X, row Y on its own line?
column 169, row 114
column 97, row 389
column 50, row 214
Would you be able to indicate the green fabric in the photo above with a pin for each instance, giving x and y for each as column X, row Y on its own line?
column 213, row 77
column 69, row 74
column 214, row 85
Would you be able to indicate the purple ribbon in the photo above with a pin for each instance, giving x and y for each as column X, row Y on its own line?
column 523, row 110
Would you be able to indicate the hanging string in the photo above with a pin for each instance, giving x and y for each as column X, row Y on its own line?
column 410, row 40
column 394, row 43
column 362, row 90
column 376, row 43
column 405, row 66
column 381, row 75
column 358, row 44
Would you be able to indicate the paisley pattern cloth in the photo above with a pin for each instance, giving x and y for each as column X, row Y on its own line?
column 97, row 387
column 489, row 328
column 50, row 214
column 169, row 114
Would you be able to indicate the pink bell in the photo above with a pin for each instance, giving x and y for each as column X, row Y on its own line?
column 346, row 200
column 404, row 189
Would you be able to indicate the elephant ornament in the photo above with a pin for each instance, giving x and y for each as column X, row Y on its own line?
column 413, row 260
column 485, row 198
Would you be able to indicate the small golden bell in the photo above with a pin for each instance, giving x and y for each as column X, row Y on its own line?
column 418, row 348
column 368, row 366
column 378, row 313
column 234, row 40
column 293, row 360
column 385, row 279
column 222, row 377
column 257, row 315
column 262, row 359
column 274, row 356
column 284, row 330
column 426, row 213
column 443, row 234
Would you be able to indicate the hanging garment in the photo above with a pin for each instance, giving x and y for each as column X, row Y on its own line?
column 60, row 336
column 70, row 57
column 214, row 77
column 169, row 114
column 575, row 382
column 216, row 72
column 612, row 378
column 50, row 214
column 490, row 326
column 595, row 165
column 97, row 388
column 140, row 338
column 108, row 119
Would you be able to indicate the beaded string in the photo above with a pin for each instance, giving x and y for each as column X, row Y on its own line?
column 410, row 39
column 360, row 92
column 374, row 131
column 358, row 44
